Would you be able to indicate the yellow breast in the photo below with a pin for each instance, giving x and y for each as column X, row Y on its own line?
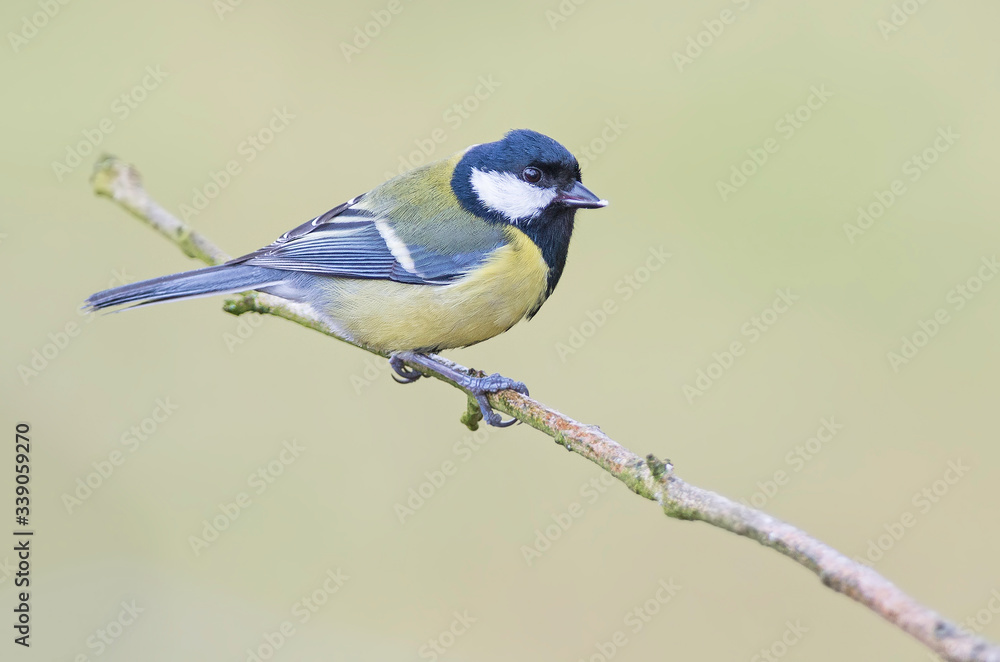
column 391, row 316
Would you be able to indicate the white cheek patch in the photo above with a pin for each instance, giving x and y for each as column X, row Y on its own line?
column 513, row 197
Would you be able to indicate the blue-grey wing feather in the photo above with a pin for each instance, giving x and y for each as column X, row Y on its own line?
column 346, row 242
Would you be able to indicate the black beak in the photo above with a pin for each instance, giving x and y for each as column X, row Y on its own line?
column 580, row 197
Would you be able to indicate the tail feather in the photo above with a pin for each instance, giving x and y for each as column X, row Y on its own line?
column 221, row 279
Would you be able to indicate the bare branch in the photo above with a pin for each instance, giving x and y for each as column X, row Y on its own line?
column 649, row 477
column 121, row 182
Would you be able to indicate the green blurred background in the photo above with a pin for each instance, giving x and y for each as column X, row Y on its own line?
column 679, row 127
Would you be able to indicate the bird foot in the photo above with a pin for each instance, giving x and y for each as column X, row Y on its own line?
column 478, row 387
column 406, row 374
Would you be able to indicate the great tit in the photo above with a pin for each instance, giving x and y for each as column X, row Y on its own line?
column 444, row 256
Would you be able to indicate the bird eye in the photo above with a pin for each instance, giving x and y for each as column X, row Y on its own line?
column 531, row 175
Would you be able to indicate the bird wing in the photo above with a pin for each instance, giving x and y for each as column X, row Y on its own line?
column 359, row 240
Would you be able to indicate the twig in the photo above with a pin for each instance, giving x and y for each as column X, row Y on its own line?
column 647, row 477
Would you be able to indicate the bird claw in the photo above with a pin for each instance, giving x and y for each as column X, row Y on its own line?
column 479, row 387
column 406, row 374
column 490, row 416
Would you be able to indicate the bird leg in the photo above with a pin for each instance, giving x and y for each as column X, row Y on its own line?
column 477, row 387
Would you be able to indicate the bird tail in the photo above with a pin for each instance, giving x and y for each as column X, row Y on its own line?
column 221, row 279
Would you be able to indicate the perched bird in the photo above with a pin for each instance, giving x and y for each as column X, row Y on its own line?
column 444, row 256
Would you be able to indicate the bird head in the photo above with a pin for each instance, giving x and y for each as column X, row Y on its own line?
column 521, row 179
